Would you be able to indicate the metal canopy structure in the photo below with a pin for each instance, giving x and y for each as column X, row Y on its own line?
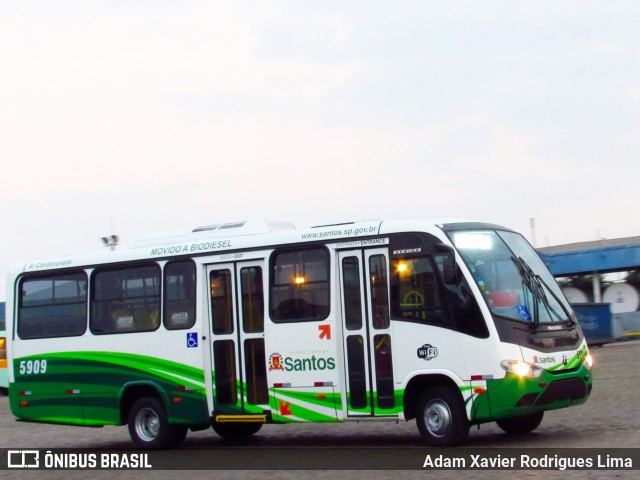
column 601, row 256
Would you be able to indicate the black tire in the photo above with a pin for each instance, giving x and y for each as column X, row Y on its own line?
column 149, row 427
column 236, row 431
column 521, row 425
column 441, row 417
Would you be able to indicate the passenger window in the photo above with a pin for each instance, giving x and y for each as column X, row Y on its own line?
column 379, row 287
column 351, row 293
column 299, row 288
column 179, row 295
column 221, row 301
column 53, row 306
column 125, row 299
column 252, row 299
column 255, row 366
column 224, row 361
column 467, row 316
column 416, row 293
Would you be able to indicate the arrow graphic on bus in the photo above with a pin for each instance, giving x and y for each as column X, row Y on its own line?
column 325, row 331
column 285, row 408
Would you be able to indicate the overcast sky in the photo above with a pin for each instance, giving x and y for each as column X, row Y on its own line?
column 133, row 117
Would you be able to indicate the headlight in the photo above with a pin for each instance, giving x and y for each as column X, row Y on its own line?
column 522, row 369
column 588, row 362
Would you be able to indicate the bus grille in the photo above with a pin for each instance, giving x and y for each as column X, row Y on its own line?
column 566, row 389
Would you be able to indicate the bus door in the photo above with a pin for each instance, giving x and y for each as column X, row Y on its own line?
column 236, row 309
column 366, row 330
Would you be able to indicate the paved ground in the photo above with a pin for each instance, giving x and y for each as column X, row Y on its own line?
column 610, row 419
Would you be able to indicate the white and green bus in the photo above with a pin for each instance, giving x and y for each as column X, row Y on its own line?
column 236, row 325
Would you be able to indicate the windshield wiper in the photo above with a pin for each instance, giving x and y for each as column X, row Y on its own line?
column 527, row 279
column 568, row 315
column 537, row 286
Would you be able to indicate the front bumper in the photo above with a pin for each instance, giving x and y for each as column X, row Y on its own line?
column 514, row 395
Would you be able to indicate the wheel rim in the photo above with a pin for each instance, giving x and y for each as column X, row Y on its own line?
column 147, row 424
column 438, row 418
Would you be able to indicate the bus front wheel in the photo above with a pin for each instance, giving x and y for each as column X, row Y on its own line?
column 442, row 417
column 149, row 427
column 521, row 425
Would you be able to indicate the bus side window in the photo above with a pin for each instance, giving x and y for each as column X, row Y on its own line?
column 416, row 292
column 221, row 301
column 299, row 285
column 53, row 306
column 379, row 287
column 252, row 296
column 466, row 313
column 125, row 299
column 179, row 295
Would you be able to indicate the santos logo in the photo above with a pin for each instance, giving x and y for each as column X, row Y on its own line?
column 277, row 362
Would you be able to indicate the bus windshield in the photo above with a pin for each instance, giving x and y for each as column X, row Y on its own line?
column 513, row 279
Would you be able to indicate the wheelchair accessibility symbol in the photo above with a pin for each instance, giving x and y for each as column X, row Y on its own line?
column 192, row 340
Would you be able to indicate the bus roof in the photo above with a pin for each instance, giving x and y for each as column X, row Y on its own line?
column 221, row 238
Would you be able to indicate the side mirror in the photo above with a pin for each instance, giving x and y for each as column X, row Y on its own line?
column 450, row 272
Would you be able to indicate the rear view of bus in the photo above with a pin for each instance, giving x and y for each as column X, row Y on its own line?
column 542, row 350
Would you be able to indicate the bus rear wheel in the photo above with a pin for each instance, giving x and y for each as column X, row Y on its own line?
column 521, row 425
column 149, row 427
column 442, row 417
column 236, row 431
